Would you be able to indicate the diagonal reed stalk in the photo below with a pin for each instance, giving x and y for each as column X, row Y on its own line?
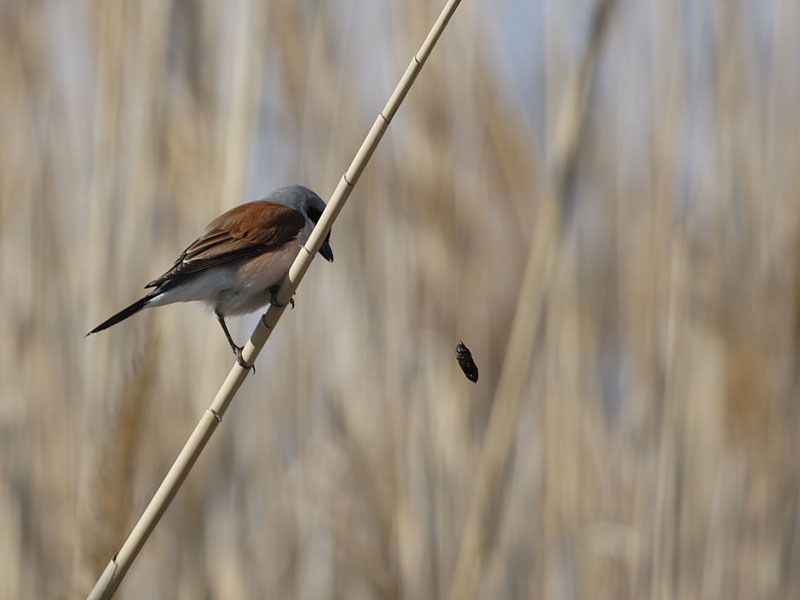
column 116, row 569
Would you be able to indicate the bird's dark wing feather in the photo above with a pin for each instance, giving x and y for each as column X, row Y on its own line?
column 243, row 232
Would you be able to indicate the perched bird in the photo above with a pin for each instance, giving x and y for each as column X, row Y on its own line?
column 239, row 260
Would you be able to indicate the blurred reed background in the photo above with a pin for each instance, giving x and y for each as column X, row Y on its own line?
column 640, row 439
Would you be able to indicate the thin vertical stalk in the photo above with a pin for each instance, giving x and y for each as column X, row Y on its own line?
column 543, row 255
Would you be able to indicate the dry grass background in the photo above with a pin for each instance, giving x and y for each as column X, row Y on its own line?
column 654, row 447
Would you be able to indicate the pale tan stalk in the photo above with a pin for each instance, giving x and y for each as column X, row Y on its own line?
column 120, row 563
column 542, row 256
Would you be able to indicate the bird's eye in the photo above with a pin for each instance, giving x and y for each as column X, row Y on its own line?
column 314, row 214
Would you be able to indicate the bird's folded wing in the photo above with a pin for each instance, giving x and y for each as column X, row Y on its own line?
column 242, row 232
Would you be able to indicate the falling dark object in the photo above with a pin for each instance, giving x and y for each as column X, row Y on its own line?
column 466, row 362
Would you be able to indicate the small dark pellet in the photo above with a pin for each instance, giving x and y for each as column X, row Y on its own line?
column 466, row 362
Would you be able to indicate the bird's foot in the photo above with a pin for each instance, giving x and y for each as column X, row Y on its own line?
column 237, row 352
column 273, row 301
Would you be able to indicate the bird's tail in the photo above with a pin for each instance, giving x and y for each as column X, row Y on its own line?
column 123, row 314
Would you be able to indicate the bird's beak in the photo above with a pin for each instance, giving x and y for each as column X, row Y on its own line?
column 325, row 249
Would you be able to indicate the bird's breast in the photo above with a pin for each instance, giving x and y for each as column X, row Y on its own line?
column 251, row 280
column 234, row 288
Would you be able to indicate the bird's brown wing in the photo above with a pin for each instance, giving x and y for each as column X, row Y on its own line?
column 243, row 232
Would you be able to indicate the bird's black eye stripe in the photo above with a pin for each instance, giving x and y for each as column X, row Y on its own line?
column 314, row 214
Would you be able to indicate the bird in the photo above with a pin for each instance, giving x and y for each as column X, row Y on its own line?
column 239, row 261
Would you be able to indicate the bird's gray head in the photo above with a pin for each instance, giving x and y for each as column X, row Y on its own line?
column 304, row 201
